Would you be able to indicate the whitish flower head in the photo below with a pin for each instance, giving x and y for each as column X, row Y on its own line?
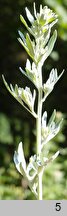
column 41, row 21
column 46, row 15
column 45, row 19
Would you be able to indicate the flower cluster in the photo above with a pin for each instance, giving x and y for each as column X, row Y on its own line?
column 40, row 22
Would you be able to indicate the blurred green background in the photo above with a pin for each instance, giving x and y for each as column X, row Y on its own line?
column 16, row 124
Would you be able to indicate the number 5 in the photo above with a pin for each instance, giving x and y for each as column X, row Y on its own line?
column 58, row 206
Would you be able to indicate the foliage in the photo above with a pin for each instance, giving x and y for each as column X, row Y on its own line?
column 14, row 187
column 11, row 56
column 38, row 49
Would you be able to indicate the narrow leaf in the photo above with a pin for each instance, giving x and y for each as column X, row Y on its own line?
column 49, row 47
column 16, row 89
column 47, row 36
column 22, row 36
column 35, row 11
column 23, row 72
column 25, row 23
column 12, row 92
column 28, row 75
column 29, row 15
column 28, row 64
column 52, row 118
column 25, row 47
column 7, row 86
column 19, row 39
column 55, row 155
column 52, row 42
column 21, row 155
column 29, row 44
column 60, row 75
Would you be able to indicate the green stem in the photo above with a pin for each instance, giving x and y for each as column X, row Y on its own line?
column 38, row 139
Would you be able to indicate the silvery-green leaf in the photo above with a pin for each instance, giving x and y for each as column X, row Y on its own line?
column 21, row 157
column 49, row 47
column 29, row 15
column 41, row 9
column 16, row 89
column 43, row 155
column 34, row 68
column 35, row 165
column 22, row 36
column 52, row 42
column 29, row 76
column 52, row 117
column 32, row 72
column 53, row 77
column 32, row 78
column 52, row 80
column 55, row 155
column 28, row 98
column 28, row 64
column 51, row 129
column 34, row 96
column 7, row 86
column 32, row 168
column 29, row 44
column 60, row 75
column 25, row 23
column 35, row 11
column 11, row 90
column 55, row 128
column 52, row 158
column 23, row 72
column 17, row 164
column 46, row 36
column 44, row 119
column 25, row 47
column 31, row 171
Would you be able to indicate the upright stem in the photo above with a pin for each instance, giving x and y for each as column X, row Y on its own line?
column 39, row 121
column 38, row 138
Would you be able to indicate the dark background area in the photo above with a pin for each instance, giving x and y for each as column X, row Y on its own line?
column 17, row 124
